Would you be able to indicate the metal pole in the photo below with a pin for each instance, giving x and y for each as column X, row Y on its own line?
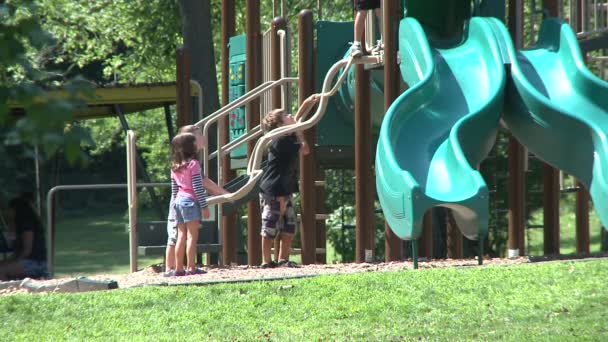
column 228, row 222
column 320, row 9
column 516, row 199
column 364, row 204
column 454, row 238
column 552, row 6
column 278, row 23
column 307, row 163
column 184, row 104
column 426, row 240
column 169, row 121
column 551, row 210
column 140, row 164
column 582, row 220
column 393, row 246
column 132, row 199
column 582, row 214
column 321, row 238
column 253, row 75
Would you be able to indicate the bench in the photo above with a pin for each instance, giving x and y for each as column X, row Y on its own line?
column 152, row 239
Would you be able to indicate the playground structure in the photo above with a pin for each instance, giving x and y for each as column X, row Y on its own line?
column 472, row 100
column 432, row 136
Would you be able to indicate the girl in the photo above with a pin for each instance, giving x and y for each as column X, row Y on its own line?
column 208, row 184
column 189, row 198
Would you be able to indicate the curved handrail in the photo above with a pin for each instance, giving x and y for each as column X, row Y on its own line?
column 254, row 166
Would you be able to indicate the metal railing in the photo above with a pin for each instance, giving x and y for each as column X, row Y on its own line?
column 302, row 122
column 50, row 212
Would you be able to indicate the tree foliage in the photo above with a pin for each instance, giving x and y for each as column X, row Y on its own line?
column 28, row 112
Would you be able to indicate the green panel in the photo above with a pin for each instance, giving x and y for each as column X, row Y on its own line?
column 492, row 8
column 443, row 21
column 332, row 42
column 237, row 118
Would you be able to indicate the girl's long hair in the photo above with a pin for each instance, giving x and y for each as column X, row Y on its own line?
column 183, row 149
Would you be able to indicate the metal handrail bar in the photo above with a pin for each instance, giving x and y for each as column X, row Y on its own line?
column 254, row 166
column 254, row 133
column 200, row 96
column 583, row 35
column 50, row 212
column 250, row 96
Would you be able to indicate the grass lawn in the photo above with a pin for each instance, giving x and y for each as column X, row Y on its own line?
column 94, row 244
column 547, row 301
column 567, row 218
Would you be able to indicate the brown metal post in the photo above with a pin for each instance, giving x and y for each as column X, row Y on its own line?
column 278, row 23
column 393, row 246
column 229, row 222
column 516, row 199
column 552, row 6
column 321, row 238
column 454, row 238
column 253, row 79
column 582, row 220
column 364, row 205
column 184, row 104
column 551, row 209
column 426, row 239
column 307, row 163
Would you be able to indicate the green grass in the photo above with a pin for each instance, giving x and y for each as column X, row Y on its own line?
column 534, row 245
column 548, row 301
column 87, row 245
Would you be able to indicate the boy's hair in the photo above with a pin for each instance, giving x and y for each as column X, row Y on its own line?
column 190, row 129
column 183, row 149
column 272, row 120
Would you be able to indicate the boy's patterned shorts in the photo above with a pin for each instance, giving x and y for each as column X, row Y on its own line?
column 272, row 222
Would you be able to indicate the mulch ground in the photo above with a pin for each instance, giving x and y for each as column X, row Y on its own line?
column 153, row 275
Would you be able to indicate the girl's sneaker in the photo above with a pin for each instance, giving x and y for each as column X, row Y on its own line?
column 196, row 271
column 174, row 273
column 271, row 264
column 287, row 263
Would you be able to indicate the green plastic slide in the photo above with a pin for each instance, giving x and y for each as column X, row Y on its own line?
column 436, row 132
column 558, row 109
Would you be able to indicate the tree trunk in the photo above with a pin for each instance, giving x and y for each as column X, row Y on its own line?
column 198, row 37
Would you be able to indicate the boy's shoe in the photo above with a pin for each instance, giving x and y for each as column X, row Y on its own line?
column 174, row 273
column 356, row 50
column 271, row 264
column 287, row 263
column 168, row 273
column 196, row 271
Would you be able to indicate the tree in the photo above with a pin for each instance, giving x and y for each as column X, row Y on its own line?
column 28, row 113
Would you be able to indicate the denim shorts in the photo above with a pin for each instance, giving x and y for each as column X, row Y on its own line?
column 187, row 210
column 272, row 221
column 171, row 232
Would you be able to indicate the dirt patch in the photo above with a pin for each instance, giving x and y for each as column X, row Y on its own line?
column 153, row 275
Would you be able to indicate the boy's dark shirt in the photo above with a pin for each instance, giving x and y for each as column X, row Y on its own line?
column 281, row 173
column 38, row 246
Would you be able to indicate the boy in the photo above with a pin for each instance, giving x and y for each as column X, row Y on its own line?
column 362, row 6
column 279, row 183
